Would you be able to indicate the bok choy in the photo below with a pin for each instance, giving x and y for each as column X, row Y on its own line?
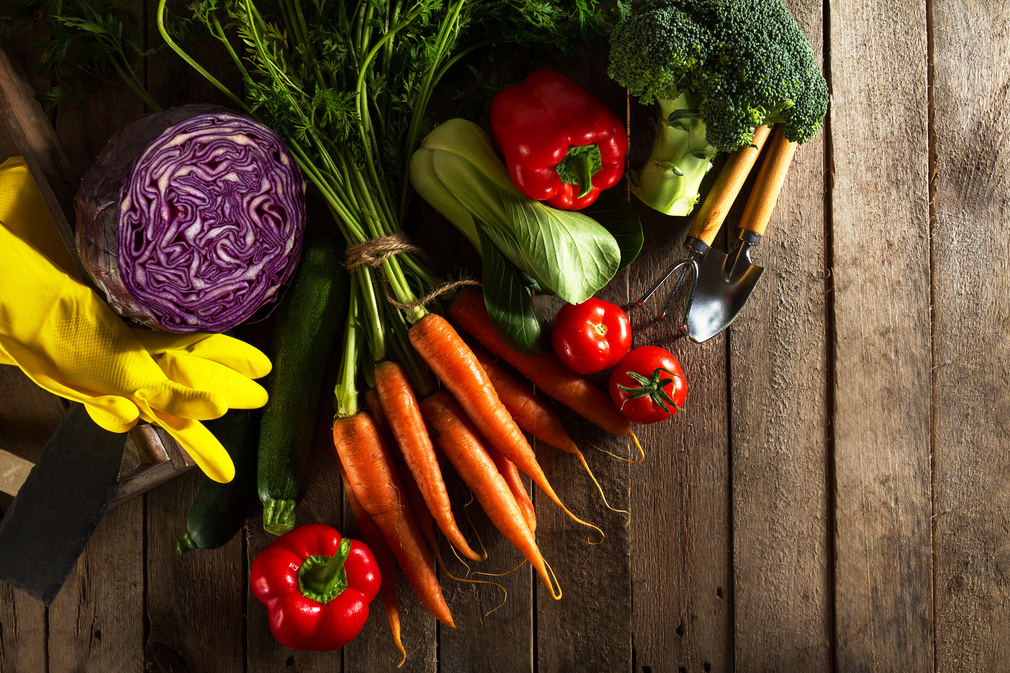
column 533, row 246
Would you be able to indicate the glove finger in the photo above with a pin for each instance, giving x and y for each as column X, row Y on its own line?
column 200, row 443
column 238, row 391
column 220, row 348
column 111, row 412
column 178, row 400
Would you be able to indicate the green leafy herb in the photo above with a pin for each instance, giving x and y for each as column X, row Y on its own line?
column 97, row 40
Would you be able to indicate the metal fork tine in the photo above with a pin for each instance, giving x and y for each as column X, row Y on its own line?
column 693, row 266
column 663, row 278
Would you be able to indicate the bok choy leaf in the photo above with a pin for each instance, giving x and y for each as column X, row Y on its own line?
column 509, row 300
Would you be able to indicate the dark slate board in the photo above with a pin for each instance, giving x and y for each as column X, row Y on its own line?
column 59, row 506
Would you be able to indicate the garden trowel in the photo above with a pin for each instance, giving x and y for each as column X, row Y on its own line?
column 725, row 282
column 701, row 258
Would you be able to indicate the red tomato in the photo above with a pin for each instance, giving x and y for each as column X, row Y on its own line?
column 591, row 336
column 648, row 385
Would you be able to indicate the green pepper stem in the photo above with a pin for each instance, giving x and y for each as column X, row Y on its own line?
column 323, row 578
column 579, row 166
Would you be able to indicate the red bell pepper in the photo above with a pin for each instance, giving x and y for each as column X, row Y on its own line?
column 561, row 144
column 316, row 586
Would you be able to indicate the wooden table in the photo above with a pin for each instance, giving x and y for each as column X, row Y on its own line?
column 834, row 497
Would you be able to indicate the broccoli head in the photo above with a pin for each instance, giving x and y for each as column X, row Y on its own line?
column 716, row 70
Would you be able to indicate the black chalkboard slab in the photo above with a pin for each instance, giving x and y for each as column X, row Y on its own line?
column 46, row 527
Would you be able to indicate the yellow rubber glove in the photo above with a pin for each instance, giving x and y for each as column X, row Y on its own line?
column 67, row 339
column 26, row 214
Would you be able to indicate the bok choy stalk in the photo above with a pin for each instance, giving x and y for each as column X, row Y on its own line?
column 562, row 252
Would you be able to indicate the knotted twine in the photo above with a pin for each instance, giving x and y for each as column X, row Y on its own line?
column 377, row 250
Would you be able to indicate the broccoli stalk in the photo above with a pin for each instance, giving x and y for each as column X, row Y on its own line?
column 681, row 156
column 715, row 70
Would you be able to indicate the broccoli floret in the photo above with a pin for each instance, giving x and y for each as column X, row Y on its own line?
column 716, row 70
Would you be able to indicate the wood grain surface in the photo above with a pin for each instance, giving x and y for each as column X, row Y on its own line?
column 970, row 182
column 832, row 498
column 882, row 327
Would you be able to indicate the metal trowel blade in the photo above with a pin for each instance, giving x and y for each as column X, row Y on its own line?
column 723, row 286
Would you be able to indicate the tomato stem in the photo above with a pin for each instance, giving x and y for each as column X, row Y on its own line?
column 653, row 387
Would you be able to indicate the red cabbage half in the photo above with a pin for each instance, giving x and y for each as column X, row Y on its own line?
column 191, row 220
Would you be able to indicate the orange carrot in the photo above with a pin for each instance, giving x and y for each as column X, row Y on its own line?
column 510, row 473
column 418, row 506
column 427, row 524
column 375, row 409
column 372, row 537
column 399, row 404
column 533, row 416
column 462, row 445
column 545, row 369
column 457, row 367
column 372, row 477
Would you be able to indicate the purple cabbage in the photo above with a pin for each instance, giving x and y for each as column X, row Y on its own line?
column 191, row 219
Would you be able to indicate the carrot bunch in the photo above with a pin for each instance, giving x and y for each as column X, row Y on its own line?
column 458, row 409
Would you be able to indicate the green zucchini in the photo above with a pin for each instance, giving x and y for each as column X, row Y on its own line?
column 307, row 326
column 219, row 511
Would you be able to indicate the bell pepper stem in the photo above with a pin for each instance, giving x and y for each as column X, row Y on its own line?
column 579, row 166
column 322, row 578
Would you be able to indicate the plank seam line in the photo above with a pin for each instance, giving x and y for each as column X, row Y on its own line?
column 830, row 349
column 730, row 496
column 931, row 162
column 246, row 591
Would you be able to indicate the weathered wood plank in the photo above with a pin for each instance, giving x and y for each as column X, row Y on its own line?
column 22, row 632
column 782, row 590
column 494, row 624
column 681, row 546
column 971, row 305
column 882, row 359
column 590, row 627
column 98, row 617
column 195, row 602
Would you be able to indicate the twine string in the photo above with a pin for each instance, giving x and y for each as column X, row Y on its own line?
column 377, row 250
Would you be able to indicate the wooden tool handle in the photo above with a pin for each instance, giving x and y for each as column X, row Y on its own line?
column 720, row 198
column 769, row 181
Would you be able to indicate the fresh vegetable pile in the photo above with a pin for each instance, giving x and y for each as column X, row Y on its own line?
column 346, row 88
column 352, row 118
